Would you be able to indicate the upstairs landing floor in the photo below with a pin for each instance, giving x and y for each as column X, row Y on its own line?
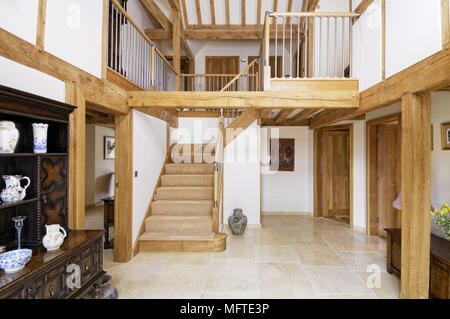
column 289, row 257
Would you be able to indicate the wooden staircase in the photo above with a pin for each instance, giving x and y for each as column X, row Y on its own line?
column 181, row 212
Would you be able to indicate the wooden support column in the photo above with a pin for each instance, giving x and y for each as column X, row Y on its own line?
column 416, row 195
column 177, row 45
column 123, row 207
column 77, row 156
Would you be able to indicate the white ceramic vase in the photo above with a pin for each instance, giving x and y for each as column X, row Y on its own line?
column 9, row 136
column 54, row 237
column 40, row 137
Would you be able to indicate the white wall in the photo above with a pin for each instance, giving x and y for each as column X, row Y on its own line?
column 23, row 78
column 19, row 17
column 149, row 153
column 440, row 159
column 73, row 33
column 287, row 191
column 367, row 47
column 242, row 175
column 413, row 32
column 137, row 12
column 195, row 130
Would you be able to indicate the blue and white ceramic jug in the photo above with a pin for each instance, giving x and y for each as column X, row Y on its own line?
column 13, row 191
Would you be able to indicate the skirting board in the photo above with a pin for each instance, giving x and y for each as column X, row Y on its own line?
column 251, row 226
column 286, row 213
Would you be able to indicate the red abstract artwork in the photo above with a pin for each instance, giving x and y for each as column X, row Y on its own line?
column 282, row 154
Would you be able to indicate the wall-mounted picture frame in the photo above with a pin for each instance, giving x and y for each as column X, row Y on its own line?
column 282, row 154
column 445, row 128
column 109, row 148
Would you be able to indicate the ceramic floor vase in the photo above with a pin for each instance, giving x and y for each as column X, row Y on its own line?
column 14, row 191
column 9, row 136
column 40, row 137
column 237, row 222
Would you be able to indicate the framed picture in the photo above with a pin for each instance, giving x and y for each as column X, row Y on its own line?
column 445, row 127
column 109, row 147
column 282, row 154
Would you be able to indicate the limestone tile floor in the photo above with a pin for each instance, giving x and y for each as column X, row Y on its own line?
column 288, row 257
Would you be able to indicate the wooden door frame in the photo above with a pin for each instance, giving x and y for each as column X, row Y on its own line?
column 123, row 168
column 371, row 165
column 350, row 128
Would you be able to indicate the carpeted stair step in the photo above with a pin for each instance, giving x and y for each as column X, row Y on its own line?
column 187, row 180
column 181, row 225
column 195, row 169
column 185, row 193
column 182, row 207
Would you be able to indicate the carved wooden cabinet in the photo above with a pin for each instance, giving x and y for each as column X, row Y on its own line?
column 439, row 262
column 56, row 274
column 46, row 200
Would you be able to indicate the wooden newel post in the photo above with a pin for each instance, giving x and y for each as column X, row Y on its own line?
column 416, row 195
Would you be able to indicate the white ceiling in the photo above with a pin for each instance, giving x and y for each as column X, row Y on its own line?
column 235, row 10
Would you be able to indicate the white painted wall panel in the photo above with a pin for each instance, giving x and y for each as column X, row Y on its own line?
column 149, row 153
column 23, row 78
column 413, row 32
column 19, row 17
column 137, row 12
column 367, row 47
column 287, row 191
column 74, row 33
column 242, row 175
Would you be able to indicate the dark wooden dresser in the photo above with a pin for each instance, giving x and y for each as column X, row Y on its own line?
column 439, row 262
column 108, row 219
column 53, row 275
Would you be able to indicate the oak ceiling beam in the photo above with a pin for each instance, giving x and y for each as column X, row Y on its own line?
column 312, row 5
column 238, row 100
column 156, row 12
column 428, row 75
column 213, row 12
column 174, row 4
column 362, row 8
column 270, row 122
column 185, row 15
column 247, row 33
column 169, row 116
column 199, row 12
column 263, row 114
column 282, row 115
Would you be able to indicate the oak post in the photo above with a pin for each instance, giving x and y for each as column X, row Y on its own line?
column 416, row 195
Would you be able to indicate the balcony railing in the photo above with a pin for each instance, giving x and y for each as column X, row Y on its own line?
column 307, row 45
column 133, row 55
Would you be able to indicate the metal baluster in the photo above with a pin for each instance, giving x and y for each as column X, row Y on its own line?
column 298, row 47
column 328, row 47
column 284, row 43
column 350, row 62
column 320, row 47
column 290, row 49
column 335, row 47
column 343, row 42
column 110, row 28
column 276, row 47
column 116, row 39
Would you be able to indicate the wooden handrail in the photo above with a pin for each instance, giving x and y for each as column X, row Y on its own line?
column 239, row 75
column 165, row 60
column 211, row 75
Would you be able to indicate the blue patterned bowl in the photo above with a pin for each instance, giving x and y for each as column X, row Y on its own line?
column 14, row 260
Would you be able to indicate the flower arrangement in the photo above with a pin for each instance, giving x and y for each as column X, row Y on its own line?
column 442, row 219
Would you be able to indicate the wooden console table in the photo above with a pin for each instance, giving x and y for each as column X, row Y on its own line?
column 48, row 274
column 108, row 219
column 439, row 262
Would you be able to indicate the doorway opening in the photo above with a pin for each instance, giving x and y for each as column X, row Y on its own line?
column 383, row 174
column 100, row 172
column 333, row 173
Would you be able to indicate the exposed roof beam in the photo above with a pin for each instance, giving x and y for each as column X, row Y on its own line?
column 153, row 8
column 239, row 100
column 312, row 5
column 185, row 15
column 174, row 4
column 250, row 32
column 362, row 8
column 265, row 113
column 227, row 12
column 282, row 115
column 213, row 12
column 199, row 12
column 243, row 12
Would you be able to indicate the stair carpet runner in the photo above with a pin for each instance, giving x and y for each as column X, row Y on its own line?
column 182, row 210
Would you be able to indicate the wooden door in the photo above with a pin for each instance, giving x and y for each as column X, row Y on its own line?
column 388, row 177
column 335, row 173
column 221, row 65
